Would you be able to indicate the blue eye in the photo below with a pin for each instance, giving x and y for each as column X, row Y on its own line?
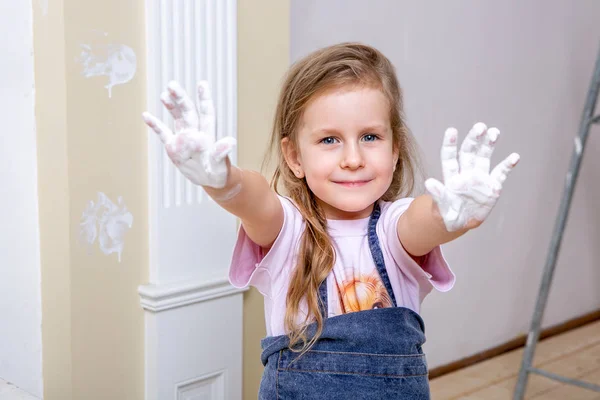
column 370, row 137
column 328, row 140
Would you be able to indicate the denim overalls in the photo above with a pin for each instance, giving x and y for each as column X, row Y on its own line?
column 371, row 354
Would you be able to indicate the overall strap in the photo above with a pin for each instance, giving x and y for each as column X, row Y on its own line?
column 377, row 258
column 377, row 254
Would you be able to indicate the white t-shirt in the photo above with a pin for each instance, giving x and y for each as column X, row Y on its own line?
column 354, row 283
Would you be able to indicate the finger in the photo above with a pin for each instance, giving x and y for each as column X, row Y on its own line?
column 448, row 154
column 502, row 170
column 206, row 109
column 470, row 146
column 189, row 116
column 157, row 126
column 436, row 189
column 175, row 112
column 484, row 152
column 170, row 105
column 223, row 148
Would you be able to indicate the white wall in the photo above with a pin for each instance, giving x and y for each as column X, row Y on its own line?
column 20, row 297
column 524, row 67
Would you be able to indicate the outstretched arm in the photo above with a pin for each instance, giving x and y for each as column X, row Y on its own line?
column 205, row 162
column 466, row 197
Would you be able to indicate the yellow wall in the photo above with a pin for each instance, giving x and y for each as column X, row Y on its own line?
column 92, row 320
column 87, row 143
column 263, row 58
column 53, row 186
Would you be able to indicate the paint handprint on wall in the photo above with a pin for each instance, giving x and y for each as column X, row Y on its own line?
column 106, row 221
column 117, row 62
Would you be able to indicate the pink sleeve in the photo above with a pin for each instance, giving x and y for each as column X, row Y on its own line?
column 267, row 272
column 434, row 273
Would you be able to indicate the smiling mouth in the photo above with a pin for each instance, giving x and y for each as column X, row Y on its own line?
column 352, row 184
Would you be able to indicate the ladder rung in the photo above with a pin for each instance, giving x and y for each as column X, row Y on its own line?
column 564, row 379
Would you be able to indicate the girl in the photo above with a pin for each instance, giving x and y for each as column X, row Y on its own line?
column 344, row 261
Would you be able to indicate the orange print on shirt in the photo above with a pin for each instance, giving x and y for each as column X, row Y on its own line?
column 365, row 292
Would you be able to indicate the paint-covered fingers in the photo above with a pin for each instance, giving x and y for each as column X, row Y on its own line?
column 170, row 105
column 163, row 132
column 501, row 171
column 206, row 109
column 448, row 154
column 484, row 151
column 470, row 147
column 180, row 106
column 470, row 190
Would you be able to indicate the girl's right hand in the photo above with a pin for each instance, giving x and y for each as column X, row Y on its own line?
column 193, row 147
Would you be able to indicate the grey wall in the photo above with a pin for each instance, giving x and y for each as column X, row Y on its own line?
column 525, row 68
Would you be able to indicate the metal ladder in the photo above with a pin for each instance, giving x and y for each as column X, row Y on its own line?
column 587, row 120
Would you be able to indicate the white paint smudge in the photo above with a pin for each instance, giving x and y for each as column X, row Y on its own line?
column 578, row 146
column 106, row 221
column 116, row 61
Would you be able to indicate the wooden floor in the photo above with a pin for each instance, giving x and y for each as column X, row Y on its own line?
column 575, row 354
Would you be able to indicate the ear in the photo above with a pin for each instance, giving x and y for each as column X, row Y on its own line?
column 396, row 156
column 292, row 157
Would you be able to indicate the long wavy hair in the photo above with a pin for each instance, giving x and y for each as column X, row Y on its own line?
column 334, row 67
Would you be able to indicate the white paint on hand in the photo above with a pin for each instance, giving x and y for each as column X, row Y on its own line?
column 115, row 61
column 469, row 191
column 193, row 147
column 106, row 221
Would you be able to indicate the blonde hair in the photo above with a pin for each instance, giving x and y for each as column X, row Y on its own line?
column 341, row 65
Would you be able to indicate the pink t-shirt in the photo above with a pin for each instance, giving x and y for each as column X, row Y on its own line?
column 354, row 283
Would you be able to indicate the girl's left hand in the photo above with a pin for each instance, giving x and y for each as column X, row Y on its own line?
column 469, row 191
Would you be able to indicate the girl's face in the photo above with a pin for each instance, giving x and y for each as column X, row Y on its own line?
column 344, row 150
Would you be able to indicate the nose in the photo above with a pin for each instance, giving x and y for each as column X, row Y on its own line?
column 353, row 157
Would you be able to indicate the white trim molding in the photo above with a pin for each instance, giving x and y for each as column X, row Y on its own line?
column 192, row 313
column 157, row 298
column 210, row 386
